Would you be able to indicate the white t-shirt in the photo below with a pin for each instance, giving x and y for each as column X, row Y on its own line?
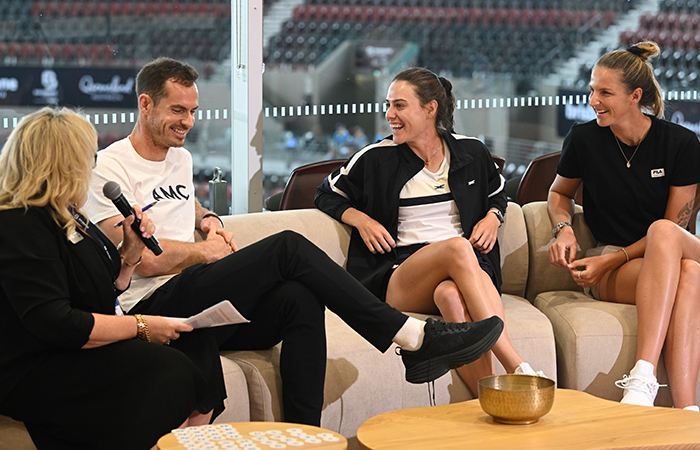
column 142, row 182
column 427, row 210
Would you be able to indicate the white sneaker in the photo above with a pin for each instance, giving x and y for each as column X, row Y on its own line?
column 526, row 369
column 638, row 390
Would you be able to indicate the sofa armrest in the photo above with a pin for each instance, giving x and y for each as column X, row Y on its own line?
column 327, row 233
column 543, row 276
column 512, row 241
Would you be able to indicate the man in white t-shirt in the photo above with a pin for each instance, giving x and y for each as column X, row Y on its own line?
column 282, row 284
column 150, row 164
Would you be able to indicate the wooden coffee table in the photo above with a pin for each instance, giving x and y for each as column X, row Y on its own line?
column 577, row 421
column 264, row 435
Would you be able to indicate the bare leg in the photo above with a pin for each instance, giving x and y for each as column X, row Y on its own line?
column 413, row 284
column 659, row 278
column 198, row 418
column 668, row 308
column 682, row 349
column 451, row 305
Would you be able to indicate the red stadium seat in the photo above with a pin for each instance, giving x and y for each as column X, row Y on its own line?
column 487, row 16
column 538, row 177
column 140, row 9
column 13, row 49
column 26, row 51
column 301, row 188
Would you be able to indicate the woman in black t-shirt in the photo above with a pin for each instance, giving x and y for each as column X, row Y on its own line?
column 639, row 176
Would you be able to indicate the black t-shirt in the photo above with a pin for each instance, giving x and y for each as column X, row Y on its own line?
column 620, row 203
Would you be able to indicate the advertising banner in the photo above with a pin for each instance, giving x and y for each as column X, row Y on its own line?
column 76, row 87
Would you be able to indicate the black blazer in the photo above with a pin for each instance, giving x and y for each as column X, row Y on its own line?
column 49, row 285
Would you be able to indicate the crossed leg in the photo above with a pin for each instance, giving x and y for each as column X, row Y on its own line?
column 665, row 286
column 445, row 277
column 451, row 305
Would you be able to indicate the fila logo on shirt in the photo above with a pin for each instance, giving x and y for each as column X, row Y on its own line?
column 657, row 173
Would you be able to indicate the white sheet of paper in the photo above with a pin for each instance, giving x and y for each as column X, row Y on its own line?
column 223, row 313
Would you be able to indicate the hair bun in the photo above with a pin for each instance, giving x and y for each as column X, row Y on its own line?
column 644, row 49
column 446, row 85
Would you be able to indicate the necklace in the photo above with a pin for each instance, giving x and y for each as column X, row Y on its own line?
column 427, row 161
column 629, row 161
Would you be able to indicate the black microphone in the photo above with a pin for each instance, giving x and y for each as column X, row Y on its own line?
column 113, row 191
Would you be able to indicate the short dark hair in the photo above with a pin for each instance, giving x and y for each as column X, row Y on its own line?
column 152, row 77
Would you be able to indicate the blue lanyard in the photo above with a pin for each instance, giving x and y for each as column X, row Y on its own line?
column 85, row 226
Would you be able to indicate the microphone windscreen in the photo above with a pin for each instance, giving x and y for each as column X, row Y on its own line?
column 112, row 190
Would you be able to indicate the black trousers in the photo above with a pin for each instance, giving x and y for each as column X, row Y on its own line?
column 281, row 284
column 124, row 395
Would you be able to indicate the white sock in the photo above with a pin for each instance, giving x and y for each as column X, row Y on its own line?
column 692, row 408
column 643, row 369
column 410, row 335
column 525, row 369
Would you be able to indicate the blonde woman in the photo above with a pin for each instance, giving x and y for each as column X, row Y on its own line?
column 639, row 175
column 70, row 369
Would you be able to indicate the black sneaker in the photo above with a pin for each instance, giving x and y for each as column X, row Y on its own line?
column 449, row 345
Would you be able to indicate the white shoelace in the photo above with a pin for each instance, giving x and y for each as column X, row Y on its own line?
column 642, row 384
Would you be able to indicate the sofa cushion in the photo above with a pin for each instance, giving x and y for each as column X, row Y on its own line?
column 324, row 231
column 596, row 343
column 542, row 275
column 237, row 404
column 14, row 436
column 531, row 334
column 264, row 384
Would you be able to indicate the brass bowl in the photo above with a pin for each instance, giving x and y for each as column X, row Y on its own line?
column 516, row 399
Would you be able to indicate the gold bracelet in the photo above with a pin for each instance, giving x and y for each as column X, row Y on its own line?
column 142, row 332
column 132, row 265
column 119, row 249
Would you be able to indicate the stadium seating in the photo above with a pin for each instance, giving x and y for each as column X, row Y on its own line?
column 105, row 33
column 460, row 36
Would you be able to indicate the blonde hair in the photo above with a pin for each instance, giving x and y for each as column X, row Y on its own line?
column 47, row 162
column 637, row 72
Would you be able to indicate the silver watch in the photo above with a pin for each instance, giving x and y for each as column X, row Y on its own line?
column 498, row 214
column 557, row 228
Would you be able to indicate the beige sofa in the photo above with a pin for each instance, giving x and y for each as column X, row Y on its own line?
column 595, row 341
column 360, row 382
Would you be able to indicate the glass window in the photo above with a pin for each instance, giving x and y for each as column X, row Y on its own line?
column 84, row 53
column 520, row 69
